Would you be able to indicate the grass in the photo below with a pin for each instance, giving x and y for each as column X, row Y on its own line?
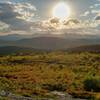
column 40, row 73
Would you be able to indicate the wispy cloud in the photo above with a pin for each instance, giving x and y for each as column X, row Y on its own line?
column 96, row 11
column 4, row 27
column 26, row 11
column 85, row 14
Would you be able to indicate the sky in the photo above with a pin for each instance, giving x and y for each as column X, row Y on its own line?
column 35, row 17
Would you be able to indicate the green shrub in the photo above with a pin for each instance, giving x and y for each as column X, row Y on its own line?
column 56, row 86
column 6, row 84
column 92, row 84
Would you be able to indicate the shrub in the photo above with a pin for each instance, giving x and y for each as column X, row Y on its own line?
column 92, row 84
column 56, row 86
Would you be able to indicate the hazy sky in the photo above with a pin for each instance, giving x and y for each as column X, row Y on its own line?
column 35, row 16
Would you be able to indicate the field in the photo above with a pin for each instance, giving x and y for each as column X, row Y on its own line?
column 38, row 74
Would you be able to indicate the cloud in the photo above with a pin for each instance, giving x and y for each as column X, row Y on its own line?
column 16, row 19
column 5, row 1
column 85, row 13
column 97, row 5
column 55, row 26
column 95, row 11
column 54, row 20
column 26, row 10
column 4, row 27
column 71, row 22
column 97, row 18
column 78, row 27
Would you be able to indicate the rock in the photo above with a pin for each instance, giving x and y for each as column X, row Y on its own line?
column 58, row 95
column 4, row 93
column 62, row 95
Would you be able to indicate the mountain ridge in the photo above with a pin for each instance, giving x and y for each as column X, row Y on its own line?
column 50, row 43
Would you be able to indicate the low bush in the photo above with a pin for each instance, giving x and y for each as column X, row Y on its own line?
column 53, row 87
column 92, row 84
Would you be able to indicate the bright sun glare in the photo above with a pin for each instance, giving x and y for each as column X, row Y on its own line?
column 61, row 11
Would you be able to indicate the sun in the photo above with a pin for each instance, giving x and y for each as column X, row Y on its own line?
column 61, row 11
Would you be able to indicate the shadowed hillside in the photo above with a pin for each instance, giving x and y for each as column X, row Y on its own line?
column 50, row 43
column 87, row 48
column 5, row 50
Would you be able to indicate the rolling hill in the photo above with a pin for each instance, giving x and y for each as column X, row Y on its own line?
column 5, row 50
column 86, row 48
column 50, row 43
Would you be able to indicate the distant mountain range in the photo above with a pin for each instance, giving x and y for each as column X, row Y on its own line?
column 50, row 43
column 47, row 43
column 22, row 42
column 14, row 37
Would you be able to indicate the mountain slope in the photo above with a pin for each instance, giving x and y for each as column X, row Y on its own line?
column 44, row 42
column 14, row 37
column 87, row 48
column 51, row 43
column 6, row 50
column 54, row 43
column 14, row 49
